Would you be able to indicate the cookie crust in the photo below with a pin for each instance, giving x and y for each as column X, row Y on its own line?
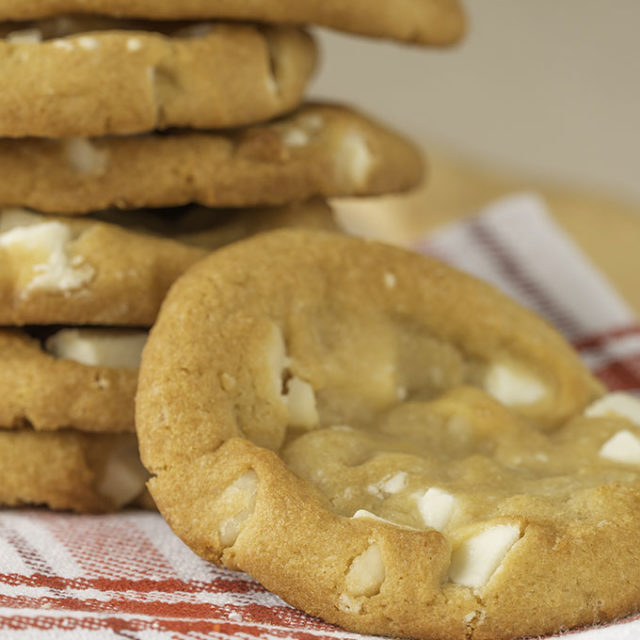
column 220, row 454
column 433, row 22
column 124, row 82
column 321, row 150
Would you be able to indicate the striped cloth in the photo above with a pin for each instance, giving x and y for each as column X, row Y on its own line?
column 127, row 576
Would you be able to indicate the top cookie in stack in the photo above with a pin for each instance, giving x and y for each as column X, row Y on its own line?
column 153, row 104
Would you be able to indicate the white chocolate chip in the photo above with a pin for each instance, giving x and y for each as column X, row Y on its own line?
column 301, row 403
column 477, row 558
column 295, row 137
column 619, row 405
column 134, row 44
column 513, row 387
column 298, row 395
column 366, row 573
column 98, row 347
column 63, row 45
column 239, row 500
column 355, row 159
column 25, row 36
column 623, row 447
column 390, row 280
column 123, row 476
column 389, row 485
column 85, row 157
column 349, row 604
column 47, row 246
column 363, row 514
column 88, row 43
column 436, row 508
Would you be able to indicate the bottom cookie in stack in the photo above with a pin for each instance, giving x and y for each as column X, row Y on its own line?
column 77, row 299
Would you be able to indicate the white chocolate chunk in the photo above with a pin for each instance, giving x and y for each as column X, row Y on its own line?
column 301, row 403
column 298, row 395
column 367, row 515
column 349, row 604
column 23, row 36
column 46, row 246
column 295, row 137
column 477, row 559
column 355, row 159
column 85, row 157
column 98, row 347
column 134, row 44
column 366, row 573
column 63, row 45
column 623, row 447
column 619, row 405
column 513, row 387
column 393, row 483
column 436, row 508
column 88, row 43
column 123, row 476
column 238, row 499
column 390, row 280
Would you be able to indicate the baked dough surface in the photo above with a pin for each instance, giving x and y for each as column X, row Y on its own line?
column 90, row 77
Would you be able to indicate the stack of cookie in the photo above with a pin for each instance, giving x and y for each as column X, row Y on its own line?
column 136, row 137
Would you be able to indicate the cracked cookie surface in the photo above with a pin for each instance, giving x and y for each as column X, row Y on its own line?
column 320, row 150
column 435, row 22
column 389, row 444
column 73, row 77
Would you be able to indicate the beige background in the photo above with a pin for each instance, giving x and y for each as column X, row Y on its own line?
column 546, row 87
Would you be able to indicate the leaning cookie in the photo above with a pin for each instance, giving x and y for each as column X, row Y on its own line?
column 95, row 78
column 74, row 271
column 435, row 22
column 68, row 470
column 320, row 150
column 388, row 443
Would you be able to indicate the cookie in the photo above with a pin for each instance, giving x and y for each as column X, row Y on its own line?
column 85, row 271
column 68, row 470
column 62, row 80
column 388, row 443
column 320, row 150
column 82, row 378
column 434, row 22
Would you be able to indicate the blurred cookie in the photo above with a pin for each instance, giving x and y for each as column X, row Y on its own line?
column 435, row 22
column 79, row 271
column 320, row 150
column 68, row 470
column 447, row 463
column 73, row 77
